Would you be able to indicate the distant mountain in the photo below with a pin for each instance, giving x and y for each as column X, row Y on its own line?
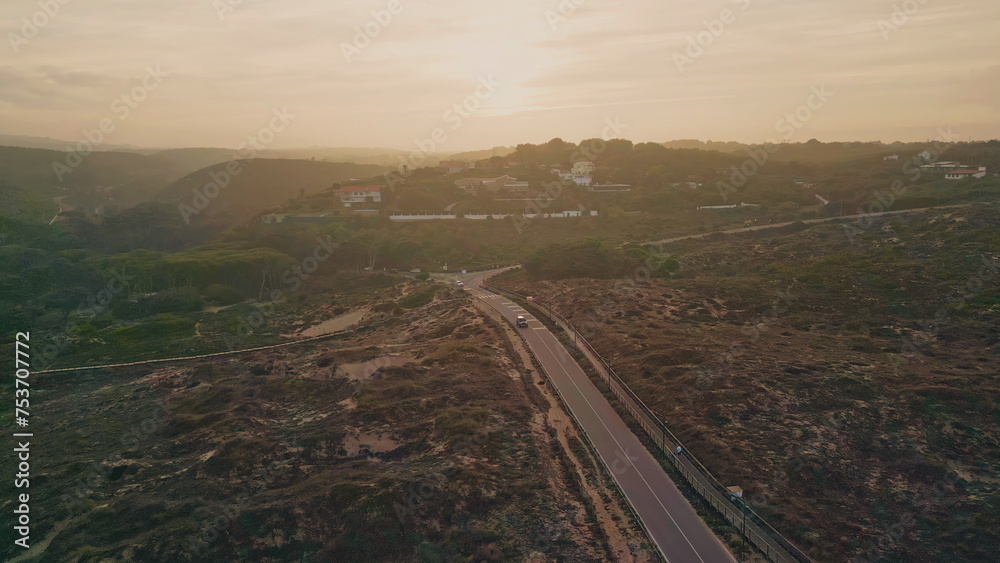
column 473, row 156
column 49, row 171
column 194, row 159
column 104, row 181
column 27, row 141
column 730, row 146
column 358, row 155
column 379, row 156
column 31, row 179
column 259, row 185
column 808, row 152
column 207, row 156
column 100, row 179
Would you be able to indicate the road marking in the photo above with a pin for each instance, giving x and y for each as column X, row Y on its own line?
column 613, row 437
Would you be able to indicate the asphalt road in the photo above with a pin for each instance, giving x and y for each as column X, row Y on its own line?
column 670, row 521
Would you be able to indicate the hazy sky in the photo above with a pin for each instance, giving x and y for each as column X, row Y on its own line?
column 230, row 63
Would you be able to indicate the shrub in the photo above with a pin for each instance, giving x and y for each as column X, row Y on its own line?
column 578, row 259
column 418, row 299
column 176, row 300
column 220, row 294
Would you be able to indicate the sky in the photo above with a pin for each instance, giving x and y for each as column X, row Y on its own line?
column 396, row 73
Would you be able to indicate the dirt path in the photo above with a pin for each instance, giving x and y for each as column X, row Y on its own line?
column 807, row 222
column 62, row 207
column 335, row 324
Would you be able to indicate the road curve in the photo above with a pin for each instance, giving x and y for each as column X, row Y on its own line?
column 670, row 521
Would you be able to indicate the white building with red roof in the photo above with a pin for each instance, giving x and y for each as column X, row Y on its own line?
column 979, row 172
column 352, row 196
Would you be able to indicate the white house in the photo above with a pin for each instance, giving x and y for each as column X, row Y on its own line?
column 583, row 167
column 455, row 166
column 892, row 157
column 979, row 172
column 493, row 185
column 609, row 188
column 470, row 185
column 730, row 206
column 272, row 218
column 353, row 195
column 943, row 165
column 516, row 188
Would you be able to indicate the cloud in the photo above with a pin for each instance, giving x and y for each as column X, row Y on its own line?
column 605, row 59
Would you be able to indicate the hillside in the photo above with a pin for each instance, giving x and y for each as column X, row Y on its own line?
column 194, row 159
column 100, row 181
column 260, row 184
column 31, row 142
column 421, row 437
column 851, row 389
column 380, row 156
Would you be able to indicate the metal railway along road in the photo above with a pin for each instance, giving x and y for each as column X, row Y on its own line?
column 669, row 520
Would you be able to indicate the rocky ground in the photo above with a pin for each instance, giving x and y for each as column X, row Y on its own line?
column 851, row 388
column 425, row 435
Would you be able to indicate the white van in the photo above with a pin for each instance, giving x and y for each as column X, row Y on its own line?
column 522, row 322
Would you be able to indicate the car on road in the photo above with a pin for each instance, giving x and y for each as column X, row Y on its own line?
column 460, row 283
column 522, row 322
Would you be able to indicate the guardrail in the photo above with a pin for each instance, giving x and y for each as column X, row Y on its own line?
column 748, row 523
column 586, row 438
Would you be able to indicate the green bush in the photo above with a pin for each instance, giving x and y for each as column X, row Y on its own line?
column 588, row 258
column 177, row 300
column 418, row 299
column 220, row 294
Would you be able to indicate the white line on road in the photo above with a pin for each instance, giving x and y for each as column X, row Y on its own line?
column 622, row 449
